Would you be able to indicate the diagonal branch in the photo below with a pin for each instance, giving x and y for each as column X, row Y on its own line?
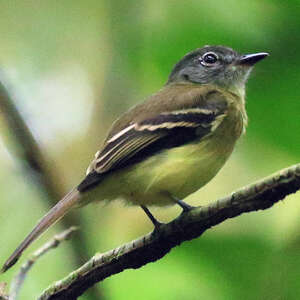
column 30, row 156
column 153, row 246
column 25, row 147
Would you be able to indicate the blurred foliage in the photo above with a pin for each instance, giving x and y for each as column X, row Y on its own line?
column 74, row 66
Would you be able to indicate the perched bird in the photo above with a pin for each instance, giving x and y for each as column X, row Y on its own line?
column 169, row 146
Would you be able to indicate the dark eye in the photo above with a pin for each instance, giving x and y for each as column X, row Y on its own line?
column 209, row 59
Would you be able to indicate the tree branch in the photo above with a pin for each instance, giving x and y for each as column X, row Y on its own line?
column 25, row 148
column 153, row 246
column 30, row 156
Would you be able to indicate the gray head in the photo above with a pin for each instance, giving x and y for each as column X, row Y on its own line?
column 218, row 65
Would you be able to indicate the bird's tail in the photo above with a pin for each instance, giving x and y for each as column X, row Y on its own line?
column 55, row 214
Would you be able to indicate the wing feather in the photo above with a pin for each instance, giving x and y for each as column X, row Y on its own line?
column 125, row 151
column 194, row 123
column 143, row 136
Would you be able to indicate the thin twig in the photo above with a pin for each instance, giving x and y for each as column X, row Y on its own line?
column 3, row 294
column 18, row 281
column 153, row 246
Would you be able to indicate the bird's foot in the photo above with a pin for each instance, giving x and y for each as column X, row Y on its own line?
column 157, row 224
column 185, row 207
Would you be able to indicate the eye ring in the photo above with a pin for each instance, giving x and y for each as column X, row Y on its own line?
column 209, row 59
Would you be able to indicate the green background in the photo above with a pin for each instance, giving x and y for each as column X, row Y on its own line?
column 74, row 66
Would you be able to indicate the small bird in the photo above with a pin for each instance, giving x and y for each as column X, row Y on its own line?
column 172, row 144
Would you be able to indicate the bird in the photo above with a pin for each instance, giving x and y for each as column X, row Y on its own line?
column 170, row 145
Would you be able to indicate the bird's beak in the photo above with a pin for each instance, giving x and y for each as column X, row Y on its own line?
column 251, row 59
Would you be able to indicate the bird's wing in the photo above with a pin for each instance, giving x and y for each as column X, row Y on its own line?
column 142, row 139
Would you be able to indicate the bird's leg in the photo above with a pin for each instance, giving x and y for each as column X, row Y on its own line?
column 186, row 207
column 156, row 223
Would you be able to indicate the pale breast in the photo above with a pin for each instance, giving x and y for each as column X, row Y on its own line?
column 179, row 171
column 183, row 170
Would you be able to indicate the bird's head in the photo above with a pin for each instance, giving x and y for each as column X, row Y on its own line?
column 218, row 65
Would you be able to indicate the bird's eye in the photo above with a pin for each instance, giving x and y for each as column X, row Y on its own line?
column 209, row 59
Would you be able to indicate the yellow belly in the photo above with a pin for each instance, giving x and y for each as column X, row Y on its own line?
column 178, row 171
